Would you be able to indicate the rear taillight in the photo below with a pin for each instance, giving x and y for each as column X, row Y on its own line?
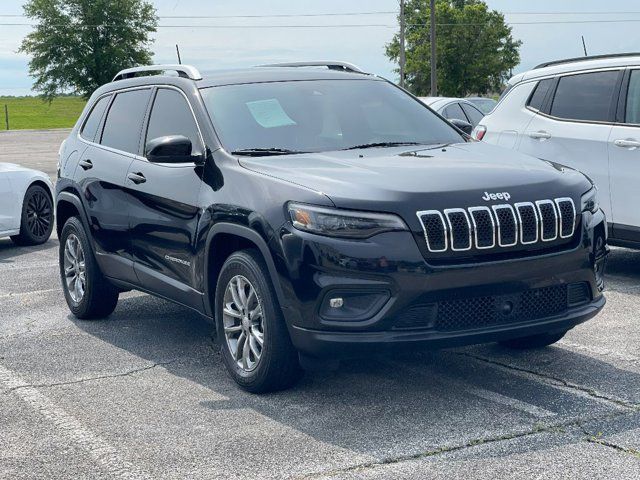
column 479, row 132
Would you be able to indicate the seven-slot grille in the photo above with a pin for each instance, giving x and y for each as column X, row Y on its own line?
column 505, row 225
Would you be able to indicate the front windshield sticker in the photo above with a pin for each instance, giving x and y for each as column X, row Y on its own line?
column 269, row 113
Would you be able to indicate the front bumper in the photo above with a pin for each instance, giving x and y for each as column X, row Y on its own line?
column 392, row 267
column 319, row 343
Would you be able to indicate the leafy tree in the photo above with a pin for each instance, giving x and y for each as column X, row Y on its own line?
column 474, row 46
column 79, row 45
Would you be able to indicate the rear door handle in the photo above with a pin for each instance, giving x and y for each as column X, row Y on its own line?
column 86, row 164
column 540, row 135
column 136, row 178
column 627, row 143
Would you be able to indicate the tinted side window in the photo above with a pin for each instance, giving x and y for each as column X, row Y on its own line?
column 632, row 114
column 473, row 113
column 454, row 111
column 124, row 120
column 540, row 93
column 171, row 115
column 90, row 126
column 585, row 97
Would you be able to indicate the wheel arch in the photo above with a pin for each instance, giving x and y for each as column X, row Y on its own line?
column 68, row 204
column 224, row 239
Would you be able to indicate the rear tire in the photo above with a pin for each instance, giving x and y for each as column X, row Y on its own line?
column 88, row 294
column 36, row 220
column 254, row 340
column 533, row 341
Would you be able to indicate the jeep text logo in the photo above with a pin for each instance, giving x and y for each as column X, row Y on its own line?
column 177, row 260
column 496, row 196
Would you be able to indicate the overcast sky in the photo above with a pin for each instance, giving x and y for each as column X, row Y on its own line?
column 264, row 40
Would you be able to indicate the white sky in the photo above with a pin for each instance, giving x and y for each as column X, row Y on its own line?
column 214, row 47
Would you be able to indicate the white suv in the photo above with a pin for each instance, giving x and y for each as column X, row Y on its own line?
column 583, row 113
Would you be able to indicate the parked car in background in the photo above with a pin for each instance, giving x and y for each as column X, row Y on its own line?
column 484, row 104
column 584, row 113
column 26, row 205
column 456, row 110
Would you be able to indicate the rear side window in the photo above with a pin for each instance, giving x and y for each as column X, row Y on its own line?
column 90, row 127
column 540, row 93
column 171, row 115
column 632, row 114
column 473, row 113
column 124, row 121
column 454, row 111
column 585, row 97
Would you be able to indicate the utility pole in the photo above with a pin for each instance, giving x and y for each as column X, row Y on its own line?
column 432, row 40
column 403, row 58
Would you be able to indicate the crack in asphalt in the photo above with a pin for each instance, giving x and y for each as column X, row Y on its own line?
column 552, row 379
column 538, row 429
column 598, row 440
column 91, row 379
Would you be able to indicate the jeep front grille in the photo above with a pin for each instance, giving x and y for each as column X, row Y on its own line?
column 504, row 226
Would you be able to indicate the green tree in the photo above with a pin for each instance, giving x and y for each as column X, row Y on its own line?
column 474, row 46
column 78, row 45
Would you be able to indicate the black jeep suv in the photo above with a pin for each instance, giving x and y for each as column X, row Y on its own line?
column 317, row 213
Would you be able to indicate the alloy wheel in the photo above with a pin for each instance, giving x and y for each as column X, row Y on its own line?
column 39, row 214
column 242, row 319
column 74, row 268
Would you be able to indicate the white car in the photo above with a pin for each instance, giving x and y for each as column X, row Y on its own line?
column 26, row 205
column 583, row 113
column 455, row 109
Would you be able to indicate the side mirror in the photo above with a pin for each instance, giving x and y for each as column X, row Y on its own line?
column 466, row 127
column 171, row 149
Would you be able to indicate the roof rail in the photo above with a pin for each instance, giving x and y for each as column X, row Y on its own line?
column 343, row 66
column 184, row 71
column 584, row 59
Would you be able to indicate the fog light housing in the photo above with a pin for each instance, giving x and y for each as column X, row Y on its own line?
column 352, row 305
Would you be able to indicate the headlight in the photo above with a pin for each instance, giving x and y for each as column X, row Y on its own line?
column 342, row 223
column 590, row 200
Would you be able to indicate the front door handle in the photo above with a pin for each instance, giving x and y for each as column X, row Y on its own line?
column 627, row 143
column 136, row 178
column 540, row 135
column 86, row 164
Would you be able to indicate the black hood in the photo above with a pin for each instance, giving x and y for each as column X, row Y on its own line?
column 405, row 180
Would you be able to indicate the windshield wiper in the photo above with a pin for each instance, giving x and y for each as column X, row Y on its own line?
column 382, row 145
column 262, row 152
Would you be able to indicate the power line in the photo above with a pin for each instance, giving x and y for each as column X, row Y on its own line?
column 284, row 15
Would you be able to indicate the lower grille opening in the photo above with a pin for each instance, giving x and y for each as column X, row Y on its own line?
column 492, row 310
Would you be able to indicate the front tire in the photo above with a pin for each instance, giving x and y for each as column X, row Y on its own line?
column 36, row 220
column 88, row 294
column 533, row 341
column 254, row 341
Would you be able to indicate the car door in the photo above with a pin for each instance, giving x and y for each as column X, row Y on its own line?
column 573, row 126
column 101, row 172
column 624, row 162
column 165, row 213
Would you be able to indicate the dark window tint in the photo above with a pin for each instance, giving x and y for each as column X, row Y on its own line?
column 633, row 99
column 90, row 127
column 584, row 97
column 124, row 120
column 171, row 115
column 454, row 111
column 540, row 93
column 473, row 113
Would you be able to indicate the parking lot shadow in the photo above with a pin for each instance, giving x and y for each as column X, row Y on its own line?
column 10, row 252
column 377, row 405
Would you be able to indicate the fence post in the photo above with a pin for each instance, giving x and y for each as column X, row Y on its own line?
column 6, row 115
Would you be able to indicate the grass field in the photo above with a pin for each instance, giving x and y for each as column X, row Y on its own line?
column 33, row 113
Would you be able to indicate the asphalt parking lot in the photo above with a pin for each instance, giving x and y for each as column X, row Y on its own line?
column 144, row 394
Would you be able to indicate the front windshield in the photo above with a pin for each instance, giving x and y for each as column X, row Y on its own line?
column 320, row 115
